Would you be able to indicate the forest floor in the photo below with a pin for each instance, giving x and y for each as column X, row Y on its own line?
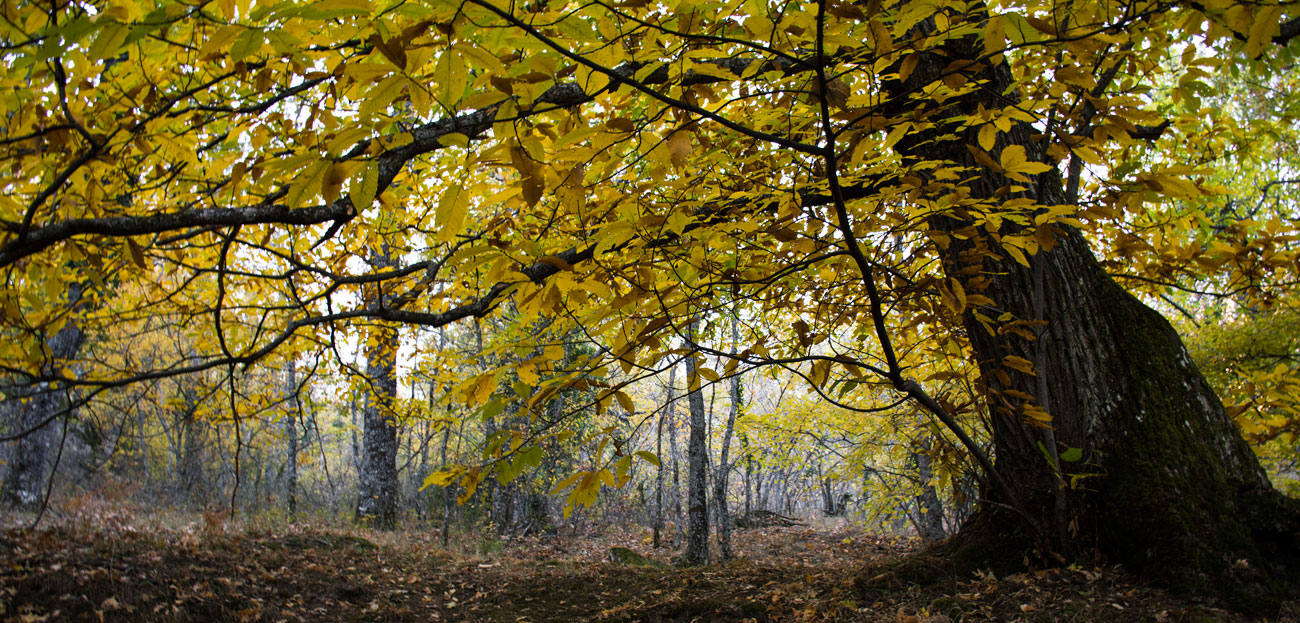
column 112, row 570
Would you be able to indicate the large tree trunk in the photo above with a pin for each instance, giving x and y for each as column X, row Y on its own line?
column 36, row 410
column 378, row 485
column 697, row 506
column 1168, row 486
column 377, row 502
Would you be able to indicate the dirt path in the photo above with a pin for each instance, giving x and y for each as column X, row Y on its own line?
column 787, row 574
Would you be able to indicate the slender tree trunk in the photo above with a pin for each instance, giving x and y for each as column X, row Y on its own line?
column 697, row 504
column 659, row 452
column 724, row 461
column 1164, row 483
column 929, row 510
column 677, row 486
column 140, row 422
column 353, row 413
column 291, row 427
column 442, row 453
column 749, row 474
column 192, row 484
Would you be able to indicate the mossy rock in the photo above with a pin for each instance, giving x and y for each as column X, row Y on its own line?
column 625, row 556
column 357, row 542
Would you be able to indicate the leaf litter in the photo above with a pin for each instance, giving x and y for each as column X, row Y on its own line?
column 305, row 573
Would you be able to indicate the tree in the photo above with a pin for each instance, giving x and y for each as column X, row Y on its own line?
column 1182, row 493
column 32, row 414
column 697, row 501
column 377, row 497
column 883, row 183
column 291, row 425
column 724, row 464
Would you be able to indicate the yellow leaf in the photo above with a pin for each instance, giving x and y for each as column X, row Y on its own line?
column 679, row 147
column 988, row 136
column 1036, row 413
column 908, row 65
column 528, row 374
column 625, row 401
column 881, row 38
column 365, row 186
column 567, row 482
column 995, row 36
column 479, row 389
column 109, row 40
column 454, row 139
column 984, row 159
column 391, row 49
column 53, row 287
column 1018, row 363
column 247, row 44
column 649, row 457
column 217, row 42
column 896, row 134
column 820, row 372
column 1016, row 164
column 379, row 97
column 1016, row 254
column 340, row 8
column 332, row 181
column 1267, row 21
column 452, row 208
column 304, row 187
column 1012, row 157
column 137, row 254
column 345, row 140
column 443, row 477
column 450, row 72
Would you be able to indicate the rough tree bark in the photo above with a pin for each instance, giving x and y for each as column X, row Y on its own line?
column 37, row 409
column 697, row 504
column 377, row 502
column 192, row 484
column 1180, row 496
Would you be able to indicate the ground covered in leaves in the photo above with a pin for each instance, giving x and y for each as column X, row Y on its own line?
column 211, row 572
